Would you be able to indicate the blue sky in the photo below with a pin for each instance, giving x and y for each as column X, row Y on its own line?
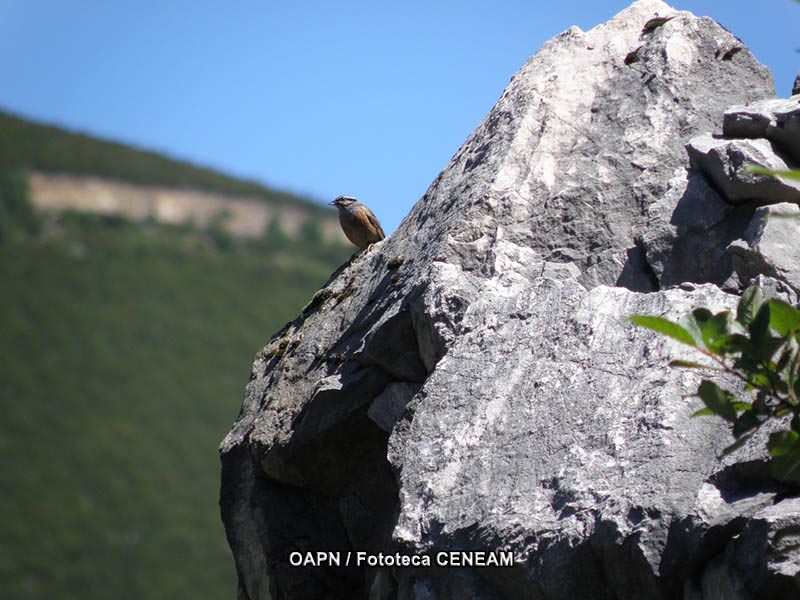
column 324, row 98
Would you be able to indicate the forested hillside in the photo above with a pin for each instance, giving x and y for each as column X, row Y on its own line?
column 124, row 351
column 26, row 144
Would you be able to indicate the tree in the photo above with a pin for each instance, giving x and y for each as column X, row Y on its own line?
column 218, row 229
column 311, row 232
column 17, row 215
column 274, row 233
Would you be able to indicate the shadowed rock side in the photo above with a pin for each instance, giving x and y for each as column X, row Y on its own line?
column 472, row 383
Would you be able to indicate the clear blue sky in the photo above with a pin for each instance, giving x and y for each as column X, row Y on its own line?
column 324, row 98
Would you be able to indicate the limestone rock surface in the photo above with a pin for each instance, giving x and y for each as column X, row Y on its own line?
column 777, row 120
column 724, row 162
column 473, row 384
column 765, row 133
column 770, row 245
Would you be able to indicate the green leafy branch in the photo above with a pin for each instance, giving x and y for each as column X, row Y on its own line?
column 760, row 346
column 787, row 173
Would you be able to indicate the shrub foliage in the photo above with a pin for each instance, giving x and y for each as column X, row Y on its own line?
column 760, row 346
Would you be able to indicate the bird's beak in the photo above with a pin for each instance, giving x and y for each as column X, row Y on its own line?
column 332, row 202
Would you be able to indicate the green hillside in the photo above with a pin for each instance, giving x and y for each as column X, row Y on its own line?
column 124, row 352
column 25, row 144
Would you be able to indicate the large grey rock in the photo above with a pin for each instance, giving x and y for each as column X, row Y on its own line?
column 765, row 549
column 390, row 405
column 473, row 382
column 691, row 229
column 777, row 120
column 770, row 245
column 724, row 163
column 579, row 454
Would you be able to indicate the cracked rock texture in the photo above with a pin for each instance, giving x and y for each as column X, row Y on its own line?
column 765, row 133
column 473, row 383
column 724, row 161
column 777, row 120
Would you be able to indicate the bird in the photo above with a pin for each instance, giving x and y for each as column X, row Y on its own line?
column 358, row 222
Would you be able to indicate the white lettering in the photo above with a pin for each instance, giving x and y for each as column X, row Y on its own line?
column 476, row 558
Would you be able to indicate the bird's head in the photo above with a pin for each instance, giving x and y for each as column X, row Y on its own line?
column 343, row 201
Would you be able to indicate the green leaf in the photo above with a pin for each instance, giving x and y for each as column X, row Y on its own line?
column 747, row 421
column 718, row 400
column 785, row 359
column 760, row 325
column 782, row 442
column 665, row 327
column 757, row 379
column 769, row 346
column 733, row 344
column 760, row 404
column 784, row 446
column 701, row 315
column 764, row 345
column 759, row 170
column 778, row 385
column 746, row 363
column 715, row 328
column 783, row 318
column 694, row 321
column 787, row 467
column 687, row 364
column 751, row 301
column 789, row 366
column 703, row 412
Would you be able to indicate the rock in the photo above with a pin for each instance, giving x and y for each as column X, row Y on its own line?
column 692, row 228
column 773, row 288
column 777, row 120
column 601, row 463
column 796, row 86
column 723, row 161
column 761, row 556
column 389, row 406
column 770, row 246
column 473, row 383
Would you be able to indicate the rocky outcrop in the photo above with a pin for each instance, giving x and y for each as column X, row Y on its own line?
column 775, row 120
column 472, row 384
column 724, row 162
column 770, row 248
column 765, row 134
column 240, row 215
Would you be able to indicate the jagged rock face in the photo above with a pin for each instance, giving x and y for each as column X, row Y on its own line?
column 770, row 247
column 775, row 120
column 767, row 134
column 724, row 162
column 473, row 383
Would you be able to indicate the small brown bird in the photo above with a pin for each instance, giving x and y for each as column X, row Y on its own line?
column 358, row 222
